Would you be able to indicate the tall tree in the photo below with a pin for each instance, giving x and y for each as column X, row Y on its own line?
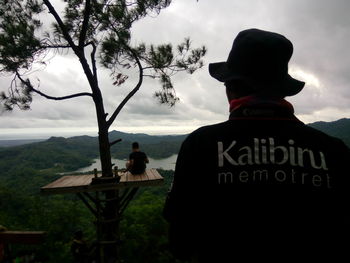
column 95, row 31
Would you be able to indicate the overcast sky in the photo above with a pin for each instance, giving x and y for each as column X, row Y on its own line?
column 319, row 30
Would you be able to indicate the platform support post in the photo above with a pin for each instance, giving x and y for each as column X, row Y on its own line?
column 108, row 207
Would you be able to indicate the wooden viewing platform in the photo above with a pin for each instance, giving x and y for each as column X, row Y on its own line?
column 110, row 198
column 82, row 183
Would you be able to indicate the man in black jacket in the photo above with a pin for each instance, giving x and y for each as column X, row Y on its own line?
column 262, row 185
column 137, row 160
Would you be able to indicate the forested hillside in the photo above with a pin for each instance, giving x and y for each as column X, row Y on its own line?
column 143, row 230
column 339, row 129
column 59, row 154
column 27, row 167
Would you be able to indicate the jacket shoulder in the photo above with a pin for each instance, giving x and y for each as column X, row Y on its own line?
column 208, row 129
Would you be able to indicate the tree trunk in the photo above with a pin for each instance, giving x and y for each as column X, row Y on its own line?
column 110, row 213
column 105, row 152
column 103, row 139
column 109, row 223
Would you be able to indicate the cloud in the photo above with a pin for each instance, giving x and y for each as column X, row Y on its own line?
column 317, row 28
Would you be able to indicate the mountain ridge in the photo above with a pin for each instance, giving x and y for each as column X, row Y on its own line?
column 339, row 128
column 78, row 151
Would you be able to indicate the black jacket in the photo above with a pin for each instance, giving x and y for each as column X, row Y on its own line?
column 260, row 188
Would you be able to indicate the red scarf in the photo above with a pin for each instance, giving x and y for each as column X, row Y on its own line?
column 263, row 103
column 259, row 101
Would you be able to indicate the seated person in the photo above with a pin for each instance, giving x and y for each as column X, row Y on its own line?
column 137, row 160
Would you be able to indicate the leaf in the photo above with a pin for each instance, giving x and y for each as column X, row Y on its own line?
column 120, row 79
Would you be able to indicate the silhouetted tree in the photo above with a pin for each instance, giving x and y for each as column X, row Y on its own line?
column 95, row 31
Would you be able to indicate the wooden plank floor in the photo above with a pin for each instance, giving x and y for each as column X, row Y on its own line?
column 81, row 183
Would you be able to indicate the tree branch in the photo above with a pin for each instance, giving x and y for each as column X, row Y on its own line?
column 61, row 25
column 93, row 60
column 114, row 142
column 55, row 46
column 77, row 50
column 132, row 93
column 85, row 25
column 31, row 88
column 62, row 98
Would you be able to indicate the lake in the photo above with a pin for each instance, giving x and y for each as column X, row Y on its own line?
column 166, row 164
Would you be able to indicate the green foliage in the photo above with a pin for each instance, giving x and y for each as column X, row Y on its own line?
column 164, row 62
column 112, row 18
column 58, row 216
column 18, row 43
column 144, row 230
column 19, row 46
column 142, row 227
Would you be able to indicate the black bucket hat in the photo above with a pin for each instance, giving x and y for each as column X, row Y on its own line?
column 261, row 59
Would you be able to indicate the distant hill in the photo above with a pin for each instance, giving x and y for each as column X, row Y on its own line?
column 143, row 138
column 155, row 146
column 10, row 143
column 67, row 154
column 339, row 129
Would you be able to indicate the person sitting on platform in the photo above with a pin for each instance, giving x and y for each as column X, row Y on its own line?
column 137, row 160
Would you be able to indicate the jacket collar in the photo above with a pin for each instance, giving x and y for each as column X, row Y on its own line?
column 256, row 107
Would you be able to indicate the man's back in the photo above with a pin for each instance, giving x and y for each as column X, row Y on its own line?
column 139, row 162
column 267, row 187
column 261, row 186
